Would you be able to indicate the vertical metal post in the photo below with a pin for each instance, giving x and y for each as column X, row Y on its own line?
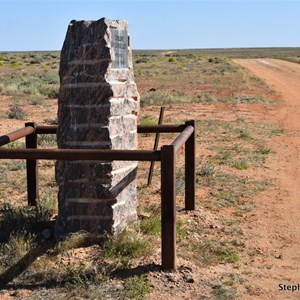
column 32, row 168
column 190, row 168
column 168, row 207
column 160, row 120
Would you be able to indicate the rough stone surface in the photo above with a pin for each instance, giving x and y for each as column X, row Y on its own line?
column 97, row 109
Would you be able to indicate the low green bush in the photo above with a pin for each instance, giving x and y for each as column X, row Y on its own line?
column 16, row 112
column 172, row 59
column 125, row 244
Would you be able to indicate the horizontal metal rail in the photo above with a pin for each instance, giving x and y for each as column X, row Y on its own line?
column 160, row 128
column 167, row 156
column 46, row 129
column 52, row 129
column 15, row 135
column 182, row 138
column 80, row 154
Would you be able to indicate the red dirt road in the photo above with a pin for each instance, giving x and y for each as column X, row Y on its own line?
column 275, row 225
column 285, row 77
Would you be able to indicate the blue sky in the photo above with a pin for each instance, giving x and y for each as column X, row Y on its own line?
column 157, row 24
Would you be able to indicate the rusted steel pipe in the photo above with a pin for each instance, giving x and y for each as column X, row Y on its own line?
column 80, row 154
column 183, row 137
column 140, row 128
column 32, row 168
column 190, row 168
column 46, row 129
column 160, row 128
column 15, row 135
column 156, row 141
column 168, row 207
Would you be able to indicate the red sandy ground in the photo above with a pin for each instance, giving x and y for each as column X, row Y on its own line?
column 273, row 229
column 275, row 226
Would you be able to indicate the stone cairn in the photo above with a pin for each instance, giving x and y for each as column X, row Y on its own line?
column 97, row 109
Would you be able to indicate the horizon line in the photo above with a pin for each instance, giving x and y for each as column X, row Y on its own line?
column 173, row 49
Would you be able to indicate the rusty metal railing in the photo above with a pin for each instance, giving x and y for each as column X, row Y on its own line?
column 156, row 141
column 167, row 157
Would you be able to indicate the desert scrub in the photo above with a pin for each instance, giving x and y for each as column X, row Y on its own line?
column 215, row 60
column 14, row 145
column 205, row 98
column 16, row 112
column 260, row 99
column 180, row 181
column 295, row 59
column 50, row 78
column 4, row 58
column 241, row 164
column 32, row 86
column 142, row 60
column 227, row 199
column 36, row 101
column 24, row 218
column 74, row 240
column 256, row 79
column 172, row 59
column 148, row 120
column 47, row 140
column 127, row 244
column 209, row 252
column 228, row 190
column 17, row 165
column 15, row 64
column 46, row 206
column 206, row 170
column 18, row 244
column 240, row 156
column 137, row 287
column 244, row 134
column 74, row 275
column 263, row 150
column 162, row 98
column 48, row 90
column 152, row 226
column 224, row 293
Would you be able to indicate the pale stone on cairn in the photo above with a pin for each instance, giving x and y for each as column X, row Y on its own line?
column 97, row 109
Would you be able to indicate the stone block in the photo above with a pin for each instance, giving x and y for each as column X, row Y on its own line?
column 97, row 109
